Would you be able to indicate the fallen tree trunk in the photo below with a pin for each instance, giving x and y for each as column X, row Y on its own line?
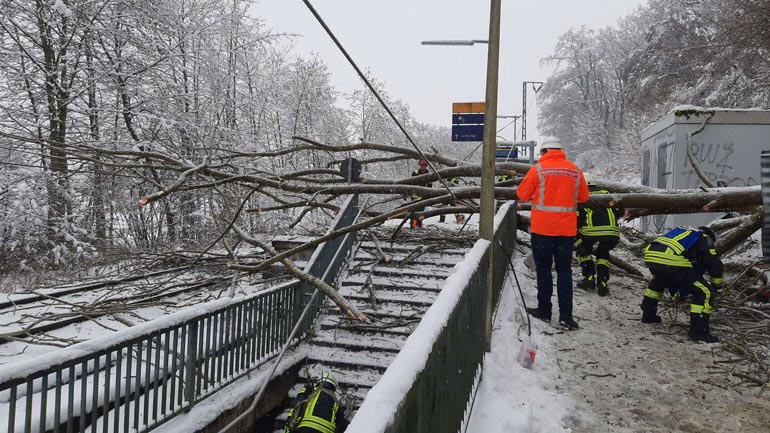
column 682, row 201
column 739, row 234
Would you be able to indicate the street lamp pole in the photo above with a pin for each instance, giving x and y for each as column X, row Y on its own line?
column 487, row 214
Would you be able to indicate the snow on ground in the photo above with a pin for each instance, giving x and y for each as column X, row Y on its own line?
column 613, row 375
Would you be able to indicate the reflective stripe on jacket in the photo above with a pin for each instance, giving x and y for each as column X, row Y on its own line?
column 599, row 222
column 686, row 247
column 321, row 412
column 554, row 186
column 669, row 249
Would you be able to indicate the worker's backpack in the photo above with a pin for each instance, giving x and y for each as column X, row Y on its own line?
column 683, row 243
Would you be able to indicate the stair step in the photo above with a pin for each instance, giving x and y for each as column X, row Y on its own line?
column 387, row 308
column 369, row 358
column 358, row 328
column 382, row 294
column 347, row 377
column 426, row 285
column 388, row 248
column 426, row 272
column 419, row 301
column 366, row 257
column 343, row 337
column 355, row 345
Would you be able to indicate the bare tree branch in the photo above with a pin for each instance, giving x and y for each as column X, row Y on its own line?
column 319, row 284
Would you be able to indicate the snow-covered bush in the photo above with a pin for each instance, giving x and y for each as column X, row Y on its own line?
column 29, row 240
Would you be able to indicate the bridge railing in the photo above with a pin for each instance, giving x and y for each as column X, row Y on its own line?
column 136, row 379
column 429, row 386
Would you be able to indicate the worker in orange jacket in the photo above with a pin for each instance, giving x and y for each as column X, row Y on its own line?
column 554, row 186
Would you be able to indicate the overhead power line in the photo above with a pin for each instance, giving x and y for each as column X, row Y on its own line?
column 375, row 93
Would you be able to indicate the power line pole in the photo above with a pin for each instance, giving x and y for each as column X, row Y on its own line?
column 487, row 214
column 524, row 105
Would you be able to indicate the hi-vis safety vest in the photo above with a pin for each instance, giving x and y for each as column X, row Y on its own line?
column 600, row 222
column 427, row 184
column 311, row 420
column 554, row 186
column 669, row 249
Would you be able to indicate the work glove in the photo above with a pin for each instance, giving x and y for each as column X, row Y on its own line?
column 716, row 284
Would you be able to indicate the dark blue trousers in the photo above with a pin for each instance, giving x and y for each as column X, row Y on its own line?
column 548, row 250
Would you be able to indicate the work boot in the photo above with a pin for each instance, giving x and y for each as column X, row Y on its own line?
column 699, row 328
column 602, row 287
column 650, row 311
column 569, row 324
column 587, row 283
column 537, row 314
column 602, row 276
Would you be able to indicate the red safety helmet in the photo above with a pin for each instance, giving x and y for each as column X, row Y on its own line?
column 423, row 163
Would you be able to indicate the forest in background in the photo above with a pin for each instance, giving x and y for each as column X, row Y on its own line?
column 104, row 102
column 611, row 83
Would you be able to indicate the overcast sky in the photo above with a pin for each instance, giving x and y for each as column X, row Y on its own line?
column 384, row 37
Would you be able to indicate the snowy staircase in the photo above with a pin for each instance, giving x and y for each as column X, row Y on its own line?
column 395, row 295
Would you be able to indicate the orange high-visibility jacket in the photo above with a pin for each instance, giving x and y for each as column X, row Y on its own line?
column 555, row 186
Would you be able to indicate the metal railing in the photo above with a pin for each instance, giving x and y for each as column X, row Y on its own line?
column 440, row 390
column 135, row 380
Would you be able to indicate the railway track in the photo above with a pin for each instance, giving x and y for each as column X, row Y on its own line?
column 23, row 317
column 32, row 317
column 14, row 300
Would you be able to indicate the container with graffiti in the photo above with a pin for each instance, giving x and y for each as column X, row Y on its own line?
column 726, row 144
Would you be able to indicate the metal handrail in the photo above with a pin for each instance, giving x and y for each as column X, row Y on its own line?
column 439, row 389
column 137, row 379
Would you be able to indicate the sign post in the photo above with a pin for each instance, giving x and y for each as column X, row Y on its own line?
column 468, row 121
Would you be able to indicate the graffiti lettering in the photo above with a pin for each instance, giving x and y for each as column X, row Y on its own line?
column 716, row 163
column 715, row 154
column 692, row 180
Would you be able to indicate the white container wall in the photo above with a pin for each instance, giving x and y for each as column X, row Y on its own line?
column 728, row 151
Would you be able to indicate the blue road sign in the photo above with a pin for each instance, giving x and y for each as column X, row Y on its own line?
column 467, row 119
column 508, row 153
column 467, row 132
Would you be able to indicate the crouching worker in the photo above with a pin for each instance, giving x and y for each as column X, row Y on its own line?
column 596, row 227
column 677, row 261
column 316, row 410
